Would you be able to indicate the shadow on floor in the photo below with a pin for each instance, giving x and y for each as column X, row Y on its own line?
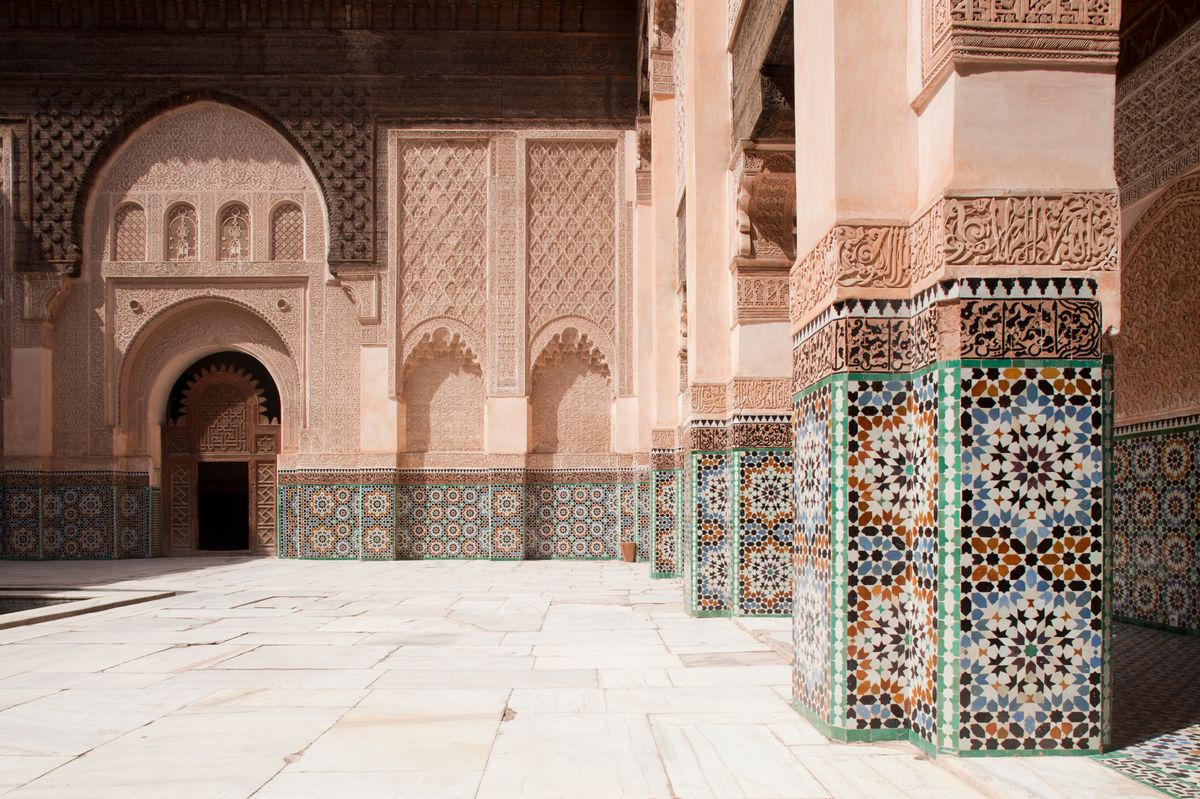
column 92, row 573
column 1154, row 683
column 1156, row 709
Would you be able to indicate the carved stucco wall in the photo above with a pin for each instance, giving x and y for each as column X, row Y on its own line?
column 505, row 240
column 207, row 156
column 511, row 240
column 1157, row 354
column 570, row 398
column 443, row 398
column 1158, row 118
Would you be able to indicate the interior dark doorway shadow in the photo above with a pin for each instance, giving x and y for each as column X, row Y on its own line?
column 223, row 505
column 1154, row 683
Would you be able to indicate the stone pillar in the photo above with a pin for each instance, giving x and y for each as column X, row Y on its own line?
column 757, row 398
column 705, row 212
column 958, row 246
column 664, row 505
column 662, row 489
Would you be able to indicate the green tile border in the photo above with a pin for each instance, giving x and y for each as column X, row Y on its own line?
column 949, row 486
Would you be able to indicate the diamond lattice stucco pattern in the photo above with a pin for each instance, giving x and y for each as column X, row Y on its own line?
column 572, row 231
column 443, row 234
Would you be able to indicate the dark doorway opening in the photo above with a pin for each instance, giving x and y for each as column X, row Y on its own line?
column 223, row 505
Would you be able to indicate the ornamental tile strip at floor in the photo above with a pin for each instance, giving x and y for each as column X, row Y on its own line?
column 1156, row 709
column 433, row 678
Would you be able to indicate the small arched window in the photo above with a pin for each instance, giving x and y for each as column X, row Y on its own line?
column 181, row 233
column 287, row 233
column 129, row 233
column 235, row 233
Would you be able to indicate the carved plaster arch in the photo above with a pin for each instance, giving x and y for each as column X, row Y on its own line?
column 578, row 326
column 192, row 393
column 179, row 336
column 571, row 341
column 434, row 329
column 1157, row 354
column 133, row 127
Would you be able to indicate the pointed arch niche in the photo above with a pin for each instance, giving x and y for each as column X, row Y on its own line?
column 571, row 396
column 443, row 395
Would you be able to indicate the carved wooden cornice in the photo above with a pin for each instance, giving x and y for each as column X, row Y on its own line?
column 376, row 15
column 1073, row 32
column 762, row 55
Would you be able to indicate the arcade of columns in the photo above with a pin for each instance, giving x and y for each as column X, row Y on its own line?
column 892, row 295
column 834, row 339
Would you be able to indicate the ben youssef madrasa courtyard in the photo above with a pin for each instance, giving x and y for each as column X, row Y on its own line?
column 616, row 398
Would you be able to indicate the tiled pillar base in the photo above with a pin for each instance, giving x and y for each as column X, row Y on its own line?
column 665, row 478
column 949, row 518
column 738, row 517
column 762, row 515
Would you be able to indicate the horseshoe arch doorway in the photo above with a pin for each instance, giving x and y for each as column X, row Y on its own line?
column 219, row 448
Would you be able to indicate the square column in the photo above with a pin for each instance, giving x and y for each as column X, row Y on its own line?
column 665, row 504
column 949, row 518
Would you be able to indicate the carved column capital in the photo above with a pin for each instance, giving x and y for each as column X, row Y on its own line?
column 1023, row 31
column 860, row 256
column 959, row 236
column 766, row 226
column 643, row 173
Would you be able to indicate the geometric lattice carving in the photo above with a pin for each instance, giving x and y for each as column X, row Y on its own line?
column 181, row 233
column 443, row 214
column 287, row 233
column 235, row 233
column 216, row 407
column 179, row 498
column 264, row 503
column 129, row 233
column 572, row 231
column 222, row 419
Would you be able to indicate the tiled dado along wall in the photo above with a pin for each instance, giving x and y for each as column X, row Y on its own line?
column 949, row 529
column 1156, row 523
column 736, row 516
column 97, row 515
column 498, row 514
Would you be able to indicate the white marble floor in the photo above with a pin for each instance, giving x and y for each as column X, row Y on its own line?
column 412, row 679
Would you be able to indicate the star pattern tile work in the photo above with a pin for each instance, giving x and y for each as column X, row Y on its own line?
column 1031, row 645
